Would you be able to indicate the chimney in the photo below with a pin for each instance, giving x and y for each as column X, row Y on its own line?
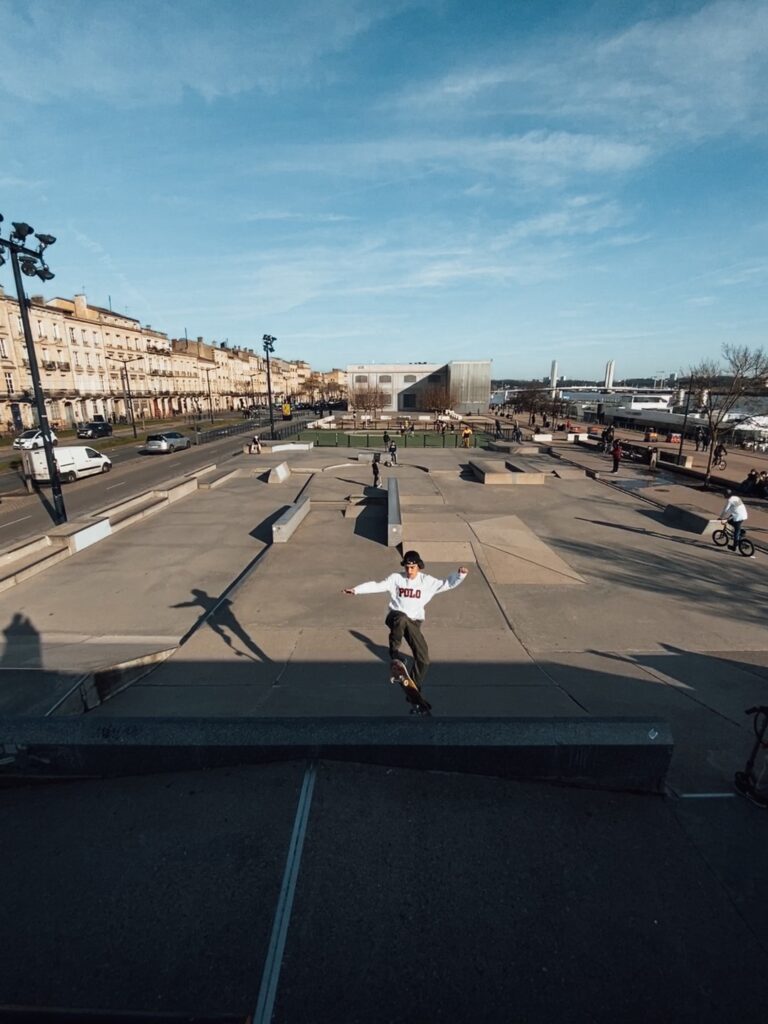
column 37, row 300
column 81, row 307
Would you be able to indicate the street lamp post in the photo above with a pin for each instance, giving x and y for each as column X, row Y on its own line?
column 128, row 397
column 269, row 347
column 32, row 263
column 208, row 371
column 685, row 421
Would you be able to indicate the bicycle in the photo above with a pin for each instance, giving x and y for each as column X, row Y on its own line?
column 750, row 782
column 725, row 536
column 719, row 463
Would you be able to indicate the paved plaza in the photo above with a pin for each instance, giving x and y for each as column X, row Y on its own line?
column 581, row 601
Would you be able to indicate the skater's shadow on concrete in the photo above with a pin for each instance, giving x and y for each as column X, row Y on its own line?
column 380, row 650
column 219, row 616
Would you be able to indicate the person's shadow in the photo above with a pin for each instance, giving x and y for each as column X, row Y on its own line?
column 218, row 614
column 22, row 644
column 380, row 650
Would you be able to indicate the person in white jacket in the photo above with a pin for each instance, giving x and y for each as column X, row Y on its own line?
column 735, row 513
column 409, row 593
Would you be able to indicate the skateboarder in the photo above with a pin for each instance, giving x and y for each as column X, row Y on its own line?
column 409, row 593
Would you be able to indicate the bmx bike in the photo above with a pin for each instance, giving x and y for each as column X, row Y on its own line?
column 725, row 537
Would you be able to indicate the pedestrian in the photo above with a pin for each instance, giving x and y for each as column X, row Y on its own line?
column 653, row 458
column 409, row 593
column 255, row 446
column 385, row 439
column 466, row 436
column 392, row 453
column 497, row 429
column 616, row 455
column 735, row 513
column 376, row 470
column 698, row 438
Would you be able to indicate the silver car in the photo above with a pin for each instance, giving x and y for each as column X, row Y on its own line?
column 168, row 441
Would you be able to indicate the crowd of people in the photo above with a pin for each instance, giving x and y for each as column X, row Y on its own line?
column 755, row 485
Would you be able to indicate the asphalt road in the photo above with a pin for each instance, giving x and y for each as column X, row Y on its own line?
column 27, row 515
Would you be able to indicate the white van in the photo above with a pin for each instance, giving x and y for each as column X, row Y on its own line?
column 73, row 462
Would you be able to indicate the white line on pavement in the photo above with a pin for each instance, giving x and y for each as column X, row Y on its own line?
column 13, row 521
column 706, row 796
column 113, row 486
column 274, row 957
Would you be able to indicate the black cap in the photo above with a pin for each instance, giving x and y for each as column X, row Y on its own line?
column 412, row 556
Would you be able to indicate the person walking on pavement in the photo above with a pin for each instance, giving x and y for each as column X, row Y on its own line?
column 698, row 438
column 735, row 513
column 376, row 467
column 392, row 453
column 409, row 593
column 616, row 455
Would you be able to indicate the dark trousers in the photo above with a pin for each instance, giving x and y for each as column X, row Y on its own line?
column 400, row 626
column 738, row 528
column 615, row 464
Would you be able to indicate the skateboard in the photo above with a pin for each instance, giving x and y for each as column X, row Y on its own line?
column 399, row 674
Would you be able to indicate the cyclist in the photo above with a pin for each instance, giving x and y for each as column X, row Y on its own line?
column 735, row 513
column 720, row 451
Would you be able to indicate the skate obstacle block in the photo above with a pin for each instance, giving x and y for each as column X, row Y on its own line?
column 284, row 527
column 690, row 517
column 394, row 515
column 279, row 473
column 625, row 754
column 494, row 473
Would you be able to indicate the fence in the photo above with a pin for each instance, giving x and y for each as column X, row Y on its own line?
column 282, row 430
column 359, row 439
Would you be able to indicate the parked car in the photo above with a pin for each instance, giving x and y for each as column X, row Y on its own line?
column 31, row 439
column 98, row 428
column 168, row 441
column 73, row 461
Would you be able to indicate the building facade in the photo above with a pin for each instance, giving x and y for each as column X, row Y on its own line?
column 461, row 385
column 96, row 362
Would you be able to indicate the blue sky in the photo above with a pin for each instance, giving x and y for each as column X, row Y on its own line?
column 522, row 180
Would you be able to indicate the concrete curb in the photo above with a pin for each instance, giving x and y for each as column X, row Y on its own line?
column 628, row 754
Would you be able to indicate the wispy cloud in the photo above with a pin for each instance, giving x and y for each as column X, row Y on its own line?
column 150, row 53
column 691, row 75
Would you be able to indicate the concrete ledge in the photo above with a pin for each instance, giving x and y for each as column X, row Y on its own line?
column 284, row 527
column 394, row 514
column 216, row 480
column 29, row 547
column 94, row 688
column 279, row 473
column 618, row 753
column 136, row 511
column 178, row 488
column 32, row 565
column 202, row 471
column 690, row 517
column 686, row 461
column 79, row 534
column 494, row 474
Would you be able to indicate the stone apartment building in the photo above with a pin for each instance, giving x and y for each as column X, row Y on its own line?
column 92, row 360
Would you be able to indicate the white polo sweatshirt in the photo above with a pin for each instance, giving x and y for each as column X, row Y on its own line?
column 410, row 596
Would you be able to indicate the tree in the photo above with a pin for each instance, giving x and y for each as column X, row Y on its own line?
column 437, row 397
column 730, row 390
column 368, row 399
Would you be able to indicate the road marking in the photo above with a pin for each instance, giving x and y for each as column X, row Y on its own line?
column 14, row 521
column 113, row 486
column 274, row 958
column 706, row 796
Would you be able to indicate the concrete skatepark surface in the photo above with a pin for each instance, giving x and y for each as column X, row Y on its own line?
column 463, row 897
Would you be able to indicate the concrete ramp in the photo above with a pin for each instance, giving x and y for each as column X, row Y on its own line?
column 438, row 537
column 511, row 553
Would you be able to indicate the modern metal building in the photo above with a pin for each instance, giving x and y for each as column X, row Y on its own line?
column 461, row 385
